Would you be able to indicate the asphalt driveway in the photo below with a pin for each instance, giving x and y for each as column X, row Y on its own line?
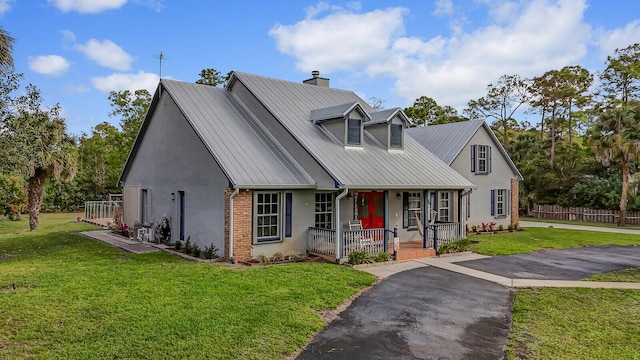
column 560, row 264
column 424, row 313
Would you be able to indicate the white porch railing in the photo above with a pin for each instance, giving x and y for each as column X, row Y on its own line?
column 442, row 233
column 369, row 240
column 101, row 209
column 323, row 241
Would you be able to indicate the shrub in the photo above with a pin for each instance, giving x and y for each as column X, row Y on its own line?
column 196, row 250
column 187, row 245
column 360, row 257
column 277, row 256
column 500, row 227
column 455, row 247
column 382, row 256
column 474, row 228
column 178, row 245
column 262, row 258
column 210, row 251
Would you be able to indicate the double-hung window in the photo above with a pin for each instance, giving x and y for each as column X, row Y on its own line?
column 411, row 208
column 324, row 211
column 444, row 206
column 395, row 136
column 354, row 133
column 481, row 159
column 267, row 216
column 500, row 202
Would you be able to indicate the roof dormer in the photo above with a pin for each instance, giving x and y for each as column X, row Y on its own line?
column 345, row 121
column 388, row 127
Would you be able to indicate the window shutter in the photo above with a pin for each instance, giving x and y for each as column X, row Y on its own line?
column 353, row 132
column 405, row 210
column 489, row 159
column 473, row 158
column 508, row 202
column 468, row 206
column 288, row 205
column 493, row 202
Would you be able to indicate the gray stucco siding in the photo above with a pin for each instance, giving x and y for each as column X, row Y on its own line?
column 499, row 178
column 170, row 159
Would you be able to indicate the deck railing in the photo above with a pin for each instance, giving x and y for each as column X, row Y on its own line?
column 323, row 241
column 442, row 233
column 101, row 209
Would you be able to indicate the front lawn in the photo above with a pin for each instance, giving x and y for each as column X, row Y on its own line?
column 534, row 239
column 576, row 323
column 66, row 296
column 626, row 275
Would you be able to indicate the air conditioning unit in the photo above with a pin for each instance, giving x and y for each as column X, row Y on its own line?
column 145, row 234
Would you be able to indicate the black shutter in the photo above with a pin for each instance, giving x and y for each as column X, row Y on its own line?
column 288, row 205
column 405, row 210
column 489, row 159
column 473, row 158
column 493, row 202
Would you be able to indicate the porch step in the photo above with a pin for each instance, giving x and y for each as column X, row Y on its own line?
column 414, row 253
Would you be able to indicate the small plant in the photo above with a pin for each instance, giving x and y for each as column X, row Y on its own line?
column 292, row 255
column 455, row 246
column 196, row 251
column 177, row 245
column 262, row 258
column 500, row 227
column 277, row 256
column 510, row 227
column 360, row 257
column 474, row 228
column 488, row 226
column 382, row 256
column 187, row 245
column 210, row 252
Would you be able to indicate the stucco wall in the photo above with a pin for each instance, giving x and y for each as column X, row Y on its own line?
column 499, row 178
column 171, row 158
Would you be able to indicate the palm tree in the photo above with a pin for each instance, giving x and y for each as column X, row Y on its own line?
column 35, row 141
column 6, row 48
column 615, row 135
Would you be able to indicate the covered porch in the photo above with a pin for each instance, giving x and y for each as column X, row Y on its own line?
column 420, row 220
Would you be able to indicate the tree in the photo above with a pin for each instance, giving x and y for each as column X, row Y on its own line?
column 6, row 49
column 621, row 78
column 615, row 136
column 35, row 140
column 426, row 110
column 501, row 103
column 212, row 77
column 101, row 160
column 13, row 196
column 376, row 103
column 132, row 109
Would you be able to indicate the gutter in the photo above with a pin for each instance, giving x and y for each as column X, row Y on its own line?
column 233, row 194
column 344, row 193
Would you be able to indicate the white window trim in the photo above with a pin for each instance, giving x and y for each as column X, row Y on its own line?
column 280, row 220
column 330, row 213
column 448, row 207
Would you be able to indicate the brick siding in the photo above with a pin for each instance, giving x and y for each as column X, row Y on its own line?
column 515, row 189
column 242, row 224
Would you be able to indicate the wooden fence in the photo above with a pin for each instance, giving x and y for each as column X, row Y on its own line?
column 558, row 212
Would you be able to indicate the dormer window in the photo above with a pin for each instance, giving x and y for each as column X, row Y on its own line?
column 395, row 140
column 354, row 132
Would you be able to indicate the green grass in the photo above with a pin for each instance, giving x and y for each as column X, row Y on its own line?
column 627, row 275
column 76, row 298
column 534, row 239
column 577, row 323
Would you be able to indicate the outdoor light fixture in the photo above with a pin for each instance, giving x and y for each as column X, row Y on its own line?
column 173, row 196
column 398, row 196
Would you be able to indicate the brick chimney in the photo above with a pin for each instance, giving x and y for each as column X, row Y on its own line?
column 317, row 80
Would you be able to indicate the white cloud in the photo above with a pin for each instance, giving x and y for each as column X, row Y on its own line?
column 51, row 65
column 156, row 5
column 5, row 5
column 107, row 54
column 620, row 38
column 68, row 35
column 87, row 6
column 342, row 40
column 525, row 38
column 443, row 7
column 132, row 82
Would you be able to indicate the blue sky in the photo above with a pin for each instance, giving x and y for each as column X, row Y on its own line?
column 76, row 51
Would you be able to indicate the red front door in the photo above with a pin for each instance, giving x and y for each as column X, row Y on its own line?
column 371, row 209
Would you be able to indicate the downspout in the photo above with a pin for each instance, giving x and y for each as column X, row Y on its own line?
column 344, row 193
column 463, row 194
column 233, row 194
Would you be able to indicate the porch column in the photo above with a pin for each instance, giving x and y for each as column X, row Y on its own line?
column 339, row 223
column 386, row 219
column 460, row 231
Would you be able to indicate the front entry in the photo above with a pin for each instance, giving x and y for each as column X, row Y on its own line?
column 371, row 210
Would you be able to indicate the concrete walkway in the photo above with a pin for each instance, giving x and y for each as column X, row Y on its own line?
column 526, row 224
column 450, row 263
column 108, row 237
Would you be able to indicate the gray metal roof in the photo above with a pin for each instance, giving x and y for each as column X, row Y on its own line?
column 246, row 152
column 385, row 115
column 370, row 167
column 446, row 141
column 333, row 112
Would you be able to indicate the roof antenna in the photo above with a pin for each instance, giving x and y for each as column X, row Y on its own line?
column 160, row 57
